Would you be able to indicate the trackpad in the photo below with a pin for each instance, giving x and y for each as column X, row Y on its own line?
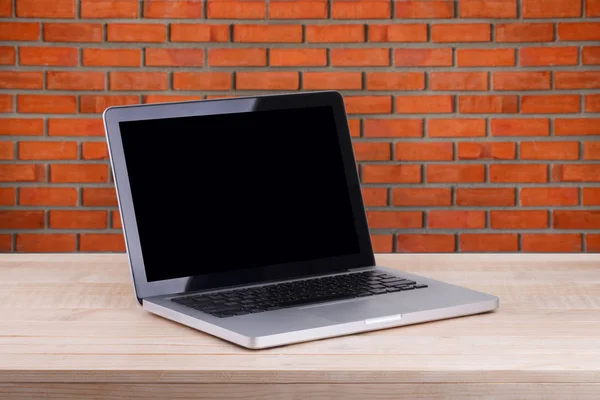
column 359, row 310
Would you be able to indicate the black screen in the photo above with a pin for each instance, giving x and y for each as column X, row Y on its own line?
column 228, row 192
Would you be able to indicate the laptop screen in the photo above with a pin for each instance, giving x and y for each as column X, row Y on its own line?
column 219, row 193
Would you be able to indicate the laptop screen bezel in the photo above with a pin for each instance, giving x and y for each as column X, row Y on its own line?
column 114, row 115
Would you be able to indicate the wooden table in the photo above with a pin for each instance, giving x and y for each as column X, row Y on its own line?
column 71, row 329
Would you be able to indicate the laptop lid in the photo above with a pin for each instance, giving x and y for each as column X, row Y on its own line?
column 235, row 191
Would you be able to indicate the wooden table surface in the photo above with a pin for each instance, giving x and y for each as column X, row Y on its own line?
column 70, row 328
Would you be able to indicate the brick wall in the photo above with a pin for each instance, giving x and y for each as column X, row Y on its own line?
column 476, row 122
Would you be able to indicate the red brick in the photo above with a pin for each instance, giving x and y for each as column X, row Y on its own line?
column 591, row 196
column 549, row 196
column 365, row 151
column 267, row 33
column 579, row 31
column 174, row 57
column 576, row 220
column 424, row 9
column 375, row 197
column 241, row 9
column 593, row 242
column 485, row 57
column 456, row 219
column 109, row 8
column 360, row 57
column 423, row 57
column 8, row 196
column 549, row 151
column 382, row 243
column 351, row 9
column 101, row 242
column 46, row 104
column 515, row 173
column 486, row 151
column 577, row 80
column 541, row 56
column 424, row 104
column 576, row 126
column 591, row 151
column 560, row 104
column 50, row 56
column 395, row 219
column 391, row 174
column 73, row 80
column 398, row 33
column 298, row 9
column 514, row 219
column 22, row 127
column 394, row 128
column 76, row 219
column 458, row 81
column 237, row 57
column 165, row 98
column 78, row 173
column 426, row 243
column 99, row 197
column 199, row 33
column 550, row 9
column 46, row 243
column 456, row 127
column 495, row 104
column 139, row 80
column 112, row 57
column 201, row 81
column 47, row 196
column 145, row 33
column 335, row 33
column 22, row 219
column 485, row 197
column 8, row 55
column 47, row 150
column 7, row 150
column 488, row 9
column 21, row 80
column 173, row 8
column 72, row 32
column 482, row 243
column 424, row 151
column 6, row 10
column 538, row 80
column 354, row 126
column 94, row 151
column 421, row 197
column 98, row 103
column 20, row 31
column 332, row 80
column 6, row 103
column 576, row 173
column 267, row 80
column 551, row 243
column 456, row 33
column 591, row 55
column 395, row 80
column 592, row 8
column 298, row 57
column 75, row 127
column 448, row 173
column 520, row 127
column 116, row 222
column 368, row 104
column 46, row 8
column 524, row 32
column 22, row 173
column 5, row 239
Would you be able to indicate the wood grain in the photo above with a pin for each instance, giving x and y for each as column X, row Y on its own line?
column 71, row 328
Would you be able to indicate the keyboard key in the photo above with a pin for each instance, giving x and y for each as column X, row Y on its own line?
column 365, row 294
column 403, row 288
column 393, row 289
column 421, row 286
column 378, row 291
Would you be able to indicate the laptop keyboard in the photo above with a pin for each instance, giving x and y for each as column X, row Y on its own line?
column 292, row 294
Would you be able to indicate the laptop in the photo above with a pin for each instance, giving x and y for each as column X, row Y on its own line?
column 243, row 218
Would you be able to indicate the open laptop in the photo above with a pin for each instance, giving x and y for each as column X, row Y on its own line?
column 243, row 218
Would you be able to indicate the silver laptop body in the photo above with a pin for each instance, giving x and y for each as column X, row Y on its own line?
column 166, row 278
